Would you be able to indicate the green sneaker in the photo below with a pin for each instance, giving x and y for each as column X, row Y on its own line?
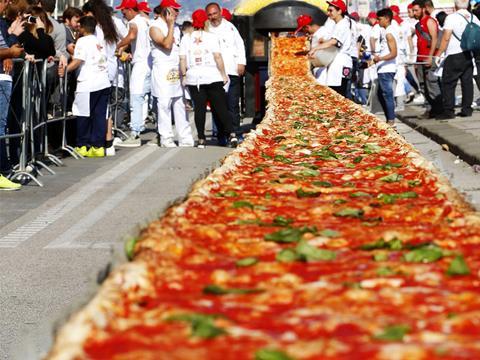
column 96, row 152
column 8, row 185
column 82, row 150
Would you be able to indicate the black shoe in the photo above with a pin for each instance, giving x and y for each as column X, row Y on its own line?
column 427, row 115
column 463, row 115
column 444, row 116
column 233, row 141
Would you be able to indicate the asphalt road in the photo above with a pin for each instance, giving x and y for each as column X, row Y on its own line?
column 54, row 240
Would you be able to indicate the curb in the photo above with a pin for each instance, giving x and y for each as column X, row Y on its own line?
column 460, row 143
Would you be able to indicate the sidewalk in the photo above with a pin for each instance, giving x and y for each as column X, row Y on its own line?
column 461, row 135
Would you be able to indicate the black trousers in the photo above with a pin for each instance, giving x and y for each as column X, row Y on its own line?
column 342, row 89
column 92, row 130
column 215, row 94
column 458, row 66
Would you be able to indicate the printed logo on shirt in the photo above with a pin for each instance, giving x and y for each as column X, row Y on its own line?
column 173, row 76
column 346, row 72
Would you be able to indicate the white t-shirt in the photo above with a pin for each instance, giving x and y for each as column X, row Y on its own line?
column 198, row 48
column 141, row 45
column 457, row 22
column 166, row 63
column 353, row 50
column 231, row 44
column 93, row 73
column 377, row 32
column 389, row 66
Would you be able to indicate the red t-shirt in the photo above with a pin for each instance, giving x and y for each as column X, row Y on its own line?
column 423, row 44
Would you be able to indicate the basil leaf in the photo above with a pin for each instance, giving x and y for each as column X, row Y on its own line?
column 218, row 290
column 282, row 159
column 414, row 183
column 394, row 244
column 308, row 252
column 329, row 233
column 279, row 138
column 309, row 166
column 426, row 254
column 387, row 199
column 350, row 213
column 282, row 221
column 308, row 173
column 372, row 148
column 248, row 261
column 385, row 271
column 387, row 166
column 229, row 193
column 359, row 194
column 297, row 125
column 391, row 178
column 381, row 256
column 201, row 325
column 242, row 203
column 285, row 236
column 258, row 169
column 287, row 255
column 458, row 266
column 307, row 194
column 271, row 354
column 340, row 201
column 393, row 333
column 322, row 184
column 358, row 159
column 350, row 166
column 130, row 248
column 408, row 195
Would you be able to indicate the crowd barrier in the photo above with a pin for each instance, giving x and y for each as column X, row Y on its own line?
column 39, row 100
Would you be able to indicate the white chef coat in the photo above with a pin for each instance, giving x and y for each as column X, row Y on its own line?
column 198, row 48
column 231, row 45
column 141, row 59
column 166, row 63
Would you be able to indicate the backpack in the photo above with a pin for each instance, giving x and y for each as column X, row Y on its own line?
column 470, row 40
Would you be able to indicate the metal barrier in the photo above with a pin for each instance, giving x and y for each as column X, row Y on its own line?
column 35, row 119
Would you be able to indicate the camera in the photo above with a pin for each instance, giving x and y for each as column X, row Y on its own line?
column 31, row 19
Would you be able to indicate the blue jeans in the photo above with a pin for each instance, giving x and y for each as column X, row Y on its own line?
column 5, row 93
column 385, row 94
column 137, row 121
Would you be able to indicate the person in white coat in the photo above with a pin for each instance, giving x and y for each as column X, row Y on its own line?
column 339, row 71
column 234, row 58
column 139, row 41
column 167, row 90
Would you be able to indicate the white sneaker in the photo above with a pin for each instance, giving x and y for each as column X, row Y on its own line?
column 168, row 144
column 419, row 100
column 110, row 151
column 117, row 141
column 153, row 142
column 132, row 141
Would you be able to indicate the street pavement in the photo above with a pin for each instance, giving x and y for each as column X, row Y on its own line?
column 54, row 240
column 461, row 136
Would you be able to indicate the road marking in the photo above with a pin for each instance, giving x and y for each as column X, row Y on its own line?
column 25, row 232
column 68, row 240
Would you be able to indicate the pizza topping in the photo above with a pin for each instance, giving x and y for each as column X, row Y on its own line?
column 393, row 333
column 458, row 267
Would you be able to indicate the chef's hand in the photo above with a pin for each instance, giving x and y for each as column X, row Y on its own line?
column 241, row 70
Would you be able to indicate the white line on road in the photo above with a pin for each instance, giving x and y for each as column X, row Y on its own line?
column 25, row 232
column 68, row 240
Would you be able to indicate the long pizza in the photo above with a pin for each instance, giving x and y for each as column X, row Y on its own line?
column 323, row 236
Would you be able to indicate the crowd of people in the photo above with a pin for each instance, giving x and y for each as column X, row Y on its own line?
column 173, row 67
column 420, row 58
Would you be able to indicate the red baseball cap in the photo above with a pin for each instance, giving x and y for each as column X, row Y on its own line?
column 127, row 4
column 372, row 15
column 226, row 14
column 354, row 15
column 170, row 4
column 395, row 9
column 409, row 6
column 199, row 17
column 303, row 20
column 339, row 4
column 143, row 6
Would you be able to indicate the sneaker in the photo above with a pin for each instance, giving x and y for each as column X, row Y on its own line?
column 410, row 97
column 153, row 142
column 82, row 150
column 94, row 152
column 462, row 114
column 168, row 143
column 7, row 185
column 419, row 100
column 186, row 144
column 202, row 143
column 233, row 141
column 110, row 151
column 117, row 141
column 131, row 142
